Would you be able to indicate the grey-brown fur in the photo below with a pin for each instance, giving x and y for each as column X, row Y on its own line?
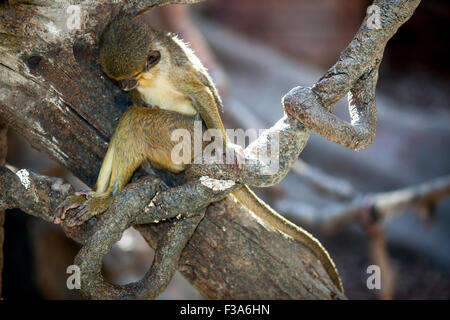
column 124, row 47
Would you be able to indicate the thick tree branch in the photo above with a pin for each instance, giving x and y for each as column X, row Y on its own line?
column 356, row 73
column 252, row 265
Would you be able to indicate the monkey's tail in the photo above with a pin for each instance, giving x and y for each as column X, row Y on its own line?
column 263, row 211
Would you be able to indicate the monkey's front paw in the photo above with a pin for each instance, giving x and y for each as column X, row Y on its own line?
column 87, row 193
column 237, row 157
column 90, row 208
column 71, row 202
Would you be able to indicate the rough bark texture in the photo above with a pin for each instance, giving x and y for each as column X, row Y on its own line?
column 355, row 74
column 52, row 91
column 241, row 247
column 231, row 255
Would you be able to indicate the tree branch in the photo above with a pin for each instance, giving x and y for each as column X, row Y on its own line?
column 356, row 73
column 250, row 259
column 377, row 207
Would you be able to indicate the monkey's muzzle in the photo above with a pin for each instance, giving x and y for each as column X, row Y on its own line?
column 128, row 84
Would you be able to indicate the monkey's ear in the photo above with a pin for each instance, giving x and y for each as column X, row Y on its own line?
column 153, row 59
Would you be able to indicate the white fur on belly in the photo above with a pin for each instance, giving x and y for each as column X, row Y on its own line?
column 161, row 93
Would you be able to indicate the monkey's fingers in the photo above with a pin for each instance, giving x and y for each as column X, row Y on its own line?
column 234, row 167
column 61, row 212
column 238, row 158
column 239, row 155
column 89, row 209
column 71, row 202
column 87, row 193
column 80, row 216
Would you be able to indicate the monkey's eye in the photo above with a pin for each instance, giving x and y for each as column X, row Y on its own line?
column 153, row 59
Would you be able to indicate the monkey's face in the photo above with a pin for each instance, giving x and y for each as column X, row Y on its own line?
column 141, row 74
column 129, row 51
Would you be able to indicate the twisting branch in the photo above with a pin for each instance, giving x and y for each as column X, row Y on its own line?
column 252, row 250
column 356, row 73
column 47, row 67
column 39, row 195
column 120, row 216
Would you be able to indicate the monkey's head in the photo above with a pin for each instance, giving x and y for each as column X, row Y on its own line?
column 128, row 51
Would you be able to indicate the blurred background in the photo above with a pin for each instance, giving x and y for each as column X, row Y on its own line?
column 256, row 51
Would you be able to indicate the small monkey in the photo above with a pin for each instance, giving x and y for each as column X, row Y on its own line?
column 160, row 70
column 169, row 89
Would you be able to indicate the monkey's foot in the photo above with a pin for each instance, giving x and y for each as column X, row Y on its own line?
column 70, row 202
column 90, row 208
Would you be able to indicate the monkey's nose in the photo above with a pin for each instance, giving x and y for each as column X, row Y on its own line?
column 128, row 84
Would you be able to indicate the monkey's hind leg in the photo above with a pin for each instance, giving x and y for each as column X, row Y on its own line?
column 125, row 162
column 75, row 201
column 123, row 157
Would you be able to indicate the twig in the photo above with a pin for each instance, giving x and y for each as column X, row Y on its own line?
column 380, row 257
column 334, row 186
column 381, row 206
column 246, row 118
